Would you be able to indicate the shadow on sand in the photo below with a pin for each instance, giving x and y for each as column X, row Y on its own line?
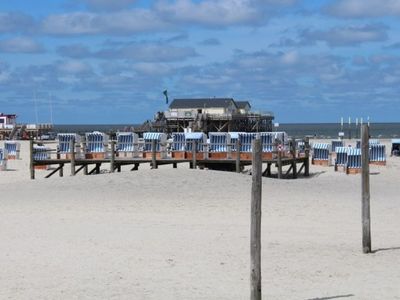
column 385, row 249
column 333, row 297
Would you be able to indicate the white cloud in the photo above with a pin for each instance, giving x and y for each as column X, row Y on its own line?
column 364, row 8
column 211, row 13
column 120, row 23
column 20, row 45
column 73, row 67
column 346, row 36
column 106, row 4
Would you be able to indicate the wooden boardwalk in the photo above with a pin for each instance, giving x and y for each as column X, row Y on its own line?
column 93, row 166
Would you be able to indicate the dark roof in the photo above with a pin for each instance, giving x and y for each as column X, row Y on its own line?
column 202, row 103
column 242, row 104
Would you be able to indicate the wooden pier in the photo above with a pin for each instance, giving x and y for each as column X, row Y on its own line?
column 89, row 166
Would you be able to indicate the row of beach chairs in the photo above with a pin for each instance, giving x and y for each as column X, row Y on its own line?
column 96, row 144
column 347, row 157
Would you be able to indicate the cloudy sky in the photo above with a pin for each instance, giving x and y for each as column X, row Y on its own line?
column 108, row 61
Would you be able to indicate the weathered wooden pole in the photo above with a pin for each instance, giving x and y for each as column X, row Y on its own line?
column 294, row 164
column 112, row 161
column 72, row 154
column 279, row 149
column 153, row 154
column 31, row 166
column 194, row 151
column 365, row 192
column 85, row 168
column 255, row 227
column 307, row 156
column 237, row 156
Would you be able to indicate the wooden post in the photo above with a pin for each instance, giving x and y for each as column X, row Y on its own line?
column 365, row 192
column 194, row 151
column 153, row 154
column 255, row 227
column 61, row 171
column 112, row 161
column 307, row 156
column 279, row 163
column 85, row 168
column 237, row 156
column 72, row 153
column 31, row 165
column 294, row 164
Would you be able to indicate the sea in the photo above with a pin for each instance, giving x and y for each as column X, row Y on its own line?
column 300, row 130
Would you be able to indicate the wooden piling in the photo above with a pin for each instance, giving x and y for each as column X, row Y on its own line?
column 237, row 156
column 153, row 154
column 112, row 160
column 31, row 166
column 279, row 162
column 293, row 151
column 194, row 152
column 255, row 227
column 85, row 168
column 307, row 156
column 72, row 154
column 365, row 191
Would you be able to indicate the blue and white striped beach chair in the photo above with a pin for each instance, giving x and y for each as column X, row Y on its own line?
column 127, row 142
column 219, row 141
column 246, row 139
column 160, row 138
column 354, row 158
column 178, row 141
column 377, row 154
column 96, row 144
column 3, row 159
column 267, row 141
column 395, row 147
column 371, row 142
column 341, row 158
column 336, row 143
column 64, row 142
column 13, row 149
column 41, row 152
column 321, row 153
column 199, row 137
column 234, row 136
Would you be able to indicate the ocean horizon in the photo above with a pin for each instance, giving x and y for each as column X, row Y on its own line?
column 296, row 130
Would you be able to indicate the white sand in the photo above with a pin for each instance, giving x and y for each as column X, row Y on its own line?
column 184, row 234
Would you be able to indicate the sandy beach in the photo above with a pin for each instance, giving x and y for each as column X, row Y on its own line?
column 184, row 234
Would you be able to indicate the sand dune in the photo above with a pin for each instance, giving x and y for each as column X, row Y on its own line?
column 184, row 234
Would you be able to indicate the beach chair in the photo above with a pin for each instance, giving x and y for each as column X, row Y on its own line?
column 41, row 152
column 353, row 161
column 178, row 145
column 200, row 139
column 246, row 139
column 321, row 154
column 12, row 149
column 161, row 142
column 234, row 136
column 341, row 158
column 127, row 143
column 64, row 144
column 377, row 154
column 3, row 159
column 395, row 147
column 96, row 145
column 371, row 142
column 268, row 141
column 219, row 145
column 335, row 144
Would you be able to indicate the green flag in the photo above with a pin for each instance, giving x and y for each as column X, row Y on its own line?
column 166, row 96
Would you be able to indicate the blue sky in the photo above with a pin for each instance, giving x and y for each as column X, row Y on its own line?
column 108, row 61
